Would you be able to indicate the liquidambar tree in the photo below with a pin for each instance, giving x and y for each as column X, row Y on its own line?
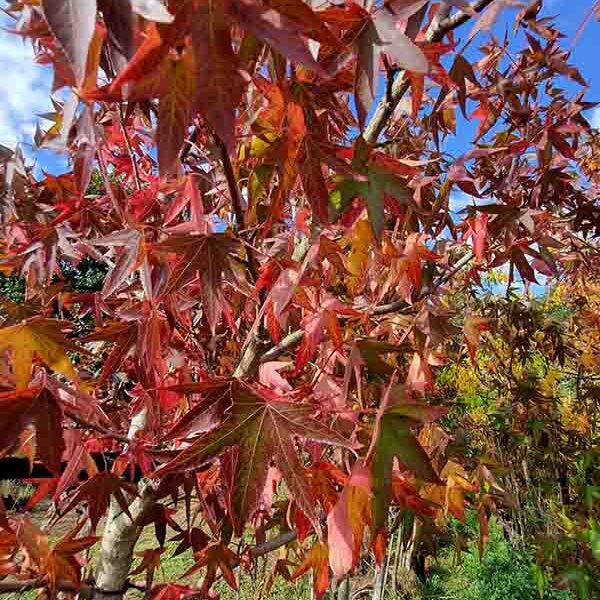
column 267, row 186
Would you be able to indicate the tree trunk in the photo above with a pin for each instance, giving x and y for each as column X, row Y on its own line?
column 121, row 533
column 344, row 589
column 118, row 542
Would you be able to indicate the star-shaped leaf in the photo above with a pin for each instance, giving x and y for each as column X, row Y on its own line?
column 215, row 557
column 42, row 338
column 97, row 492
column 394, row 439
column 261, row 426
column 205, row 256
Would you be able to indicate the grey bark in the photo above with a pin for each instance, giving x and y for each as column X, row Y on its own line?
column 344, row 589
column 121, row 533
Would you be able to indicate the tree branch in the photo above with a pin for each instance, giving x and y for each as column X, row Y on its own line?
column 103, row 430
column 440, row 26
column 84, row 590
column 132, row 158
column 234, row 190
column 383, row 309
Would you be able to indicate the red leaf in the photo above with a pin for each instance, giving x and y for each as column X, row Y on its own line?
column 477, row 231
column 347, row 520
column 215, row 557
column 97, row 492
column 220, row 84
column 175, row 107
column 380, row 34
column 262, row 427
column 279, row 31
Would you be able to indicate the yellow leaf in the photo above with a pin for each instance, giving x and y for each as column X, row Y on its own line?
column 37, row 337
column 360, row 245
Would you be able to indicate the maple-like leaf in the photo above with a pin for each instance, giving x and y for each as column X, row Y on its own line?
column 461, row 72
column 175, row 108
column 394, row 439
column 489, row 16
column 262, row 427
column 130, row 247
column 195, row 539
column 215, row 557
column 58, row 562
column 314, row 325
column 381, row 34
column 317, row 559
column 124, row 336
column 378, row 181
column 419, row 378
column 477, row 232
column 79, row 461
column 208, row 257
column 219, row 80
column 171, row 591
column 160, row 516
column 151, row 558
column 473, row 327
column 42, row 338
column 97, row 491
column 35, row 406
column 204, row 415
column 451, row 495
column 155, row 72
column 276, row 29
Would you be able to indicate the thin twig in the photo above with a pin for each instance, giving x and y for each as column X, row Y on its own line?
column 440, row 26
column 383, row 309
column 136, row 173
column 103, row 430
column 234, row 190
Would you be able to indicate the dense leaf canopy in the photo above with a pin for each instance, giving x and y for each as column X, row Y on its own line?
column 252, row 287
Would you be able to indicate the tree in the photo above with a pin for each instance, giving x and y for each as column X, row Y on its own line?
column 285, row 280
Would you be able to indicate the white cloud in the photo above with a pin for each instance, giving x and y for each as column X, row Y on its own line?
column 595, row 118
column 459, row 200
column 24, row 89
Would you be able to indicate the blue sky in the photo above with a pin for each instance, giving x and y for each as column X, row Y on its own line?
column 25, row 87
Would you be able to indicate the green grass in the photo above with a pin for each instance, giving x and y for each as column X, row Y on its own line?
column 504, row 573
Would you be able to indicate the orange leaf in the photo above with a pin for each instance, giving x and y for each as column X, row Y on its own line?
column 215, row 557
column 317, row 559
column 473, row 327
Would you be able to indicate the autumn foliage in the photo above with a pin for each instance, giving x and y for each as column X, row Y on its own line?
column 290, row 303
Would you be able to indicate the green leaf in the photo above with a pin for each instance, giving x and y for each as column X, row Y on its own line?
column 395, row 439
